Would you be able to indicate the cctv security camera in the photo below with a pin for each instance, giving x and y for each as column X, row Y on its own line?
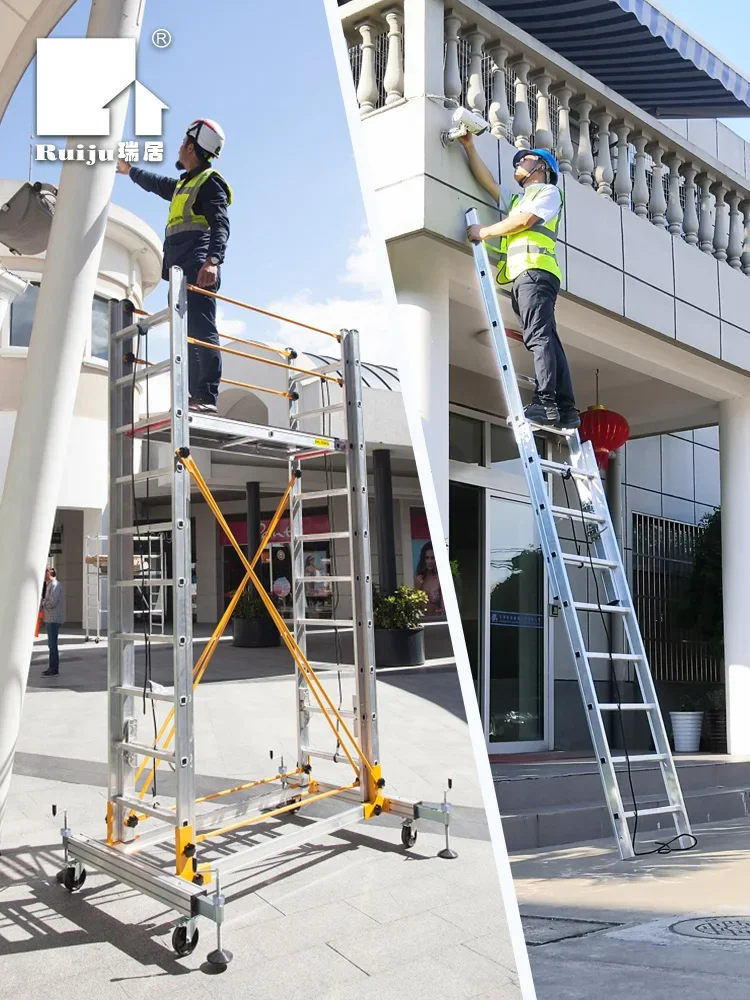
column 464, row 122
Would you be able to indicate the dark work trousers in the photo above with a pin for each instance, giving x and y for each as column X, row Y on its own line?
column 204, row 365
column 53, row 632
column 533, row 297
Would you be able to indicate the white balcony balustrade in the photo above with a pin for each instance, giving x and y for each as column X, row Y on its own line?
column 534, row 98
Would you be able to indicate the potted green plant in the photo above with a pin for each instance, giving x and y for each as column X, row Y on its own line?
column 252, row 625
column 687, row 724
column 399, row 633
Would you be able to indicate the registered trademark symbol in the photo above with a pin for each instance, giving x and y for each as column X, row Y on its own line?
column 161, row 38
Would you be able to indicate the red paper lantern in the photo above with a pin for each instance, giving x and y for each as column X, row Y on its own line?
column 606, row 430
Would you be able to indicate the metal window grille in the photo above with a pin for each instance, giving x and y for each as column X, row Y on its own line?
column 663, row 559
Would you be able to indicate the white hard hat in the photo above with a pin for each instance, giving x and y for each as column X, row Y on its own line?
column 208, row 135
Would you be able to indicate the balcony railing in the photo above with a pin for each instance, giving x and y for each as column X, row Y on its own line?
column 532, row 97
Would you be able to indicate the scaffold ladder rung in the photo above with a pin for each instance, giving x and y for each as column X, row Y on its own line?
column 323, row 536
column 144, row 530
column 613, row 597
column 143, row 584
column 142, row 750
column 321, row 411
column 628, row 706
column 147, row 808
column 131, row 691
column 326, row 579
column 327, row 622
column 639, row 758
column 141, row 477
column 338, row 757
column 323, row 494
column 148, row 371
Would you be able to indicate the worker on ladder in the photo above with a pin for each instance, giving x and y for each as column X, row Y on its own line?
column 196, row 239
column 528, row 261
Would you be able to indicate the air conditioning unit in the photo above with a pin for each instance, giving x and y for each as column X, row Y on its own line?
column 26, row 219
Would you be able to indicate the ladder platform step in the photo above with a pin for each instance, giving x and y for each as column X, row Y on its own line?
column 345, row 713
column 149, row 371
column 565, row 470
column 320, row 412
column 325, row 579
column 141, row 477
column 320, row 665
column 159, row 637
column 144, row 530
column 640, row 758
column 654, row 811
column 145, row 751
column 338, row 758
column 321, row 536
column 631, row 706
column 541, row 428
column 341, row 491
column 131, row 691
column 623, row 657
column 574, row 514
column 612, row 609
column 327, row 622
column 158, row 812
column 573, row 559
column 144, row 584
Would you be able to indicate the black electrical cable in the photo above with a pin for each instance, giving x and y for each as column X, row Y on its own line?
column 664, row 847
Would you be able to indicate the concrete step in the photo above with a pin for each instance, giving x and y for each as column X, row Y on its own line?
column 555, row 809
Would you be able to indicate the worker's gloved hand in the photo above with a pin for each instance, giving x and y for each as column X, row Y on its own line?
column 123, row 167
column 474, row 234
column 208, row 276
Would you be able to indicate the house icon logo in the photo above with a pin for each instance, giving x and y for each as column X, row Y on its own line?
column 78, row 78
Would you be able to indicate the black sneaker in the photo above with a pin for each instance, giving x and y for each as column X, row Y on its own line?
column 570, row 419
column 50, row 673
column 544, row 414
column 197, row 407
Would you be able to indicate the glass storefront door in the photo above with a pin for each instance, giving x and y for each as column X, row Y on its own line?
column 515, row 628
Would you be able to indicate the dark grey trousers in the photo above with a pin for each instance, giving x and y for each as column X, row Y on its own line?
column 533, row 297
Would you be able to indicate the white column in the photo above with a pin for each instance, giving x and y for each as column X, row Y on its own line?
column 453, row 83
column 367, row 88
column 565, row 150
column 543, row 134
column 623, row 180
column 61, row 325
column 640, row 183
column 657, row 205
column 475, row 95
column 674, row 205
column 499, row 116
column 734, row 437
column 393, row 81
column 422, row 293
column 585, row 158
column 745, row 259
column 11, row 286
column 721, row 221
column 521, row 114
column 423, row 34
column 92, row 525
column 690, row 219
column 706, row 224
column 603, row 173
column 734, row 247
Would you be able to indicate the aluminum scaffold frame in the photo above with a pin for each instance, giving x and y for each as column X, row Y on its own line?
column 164, row 861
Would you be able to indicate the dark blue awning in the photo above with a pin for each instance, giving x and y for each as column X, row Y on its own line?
column 638, row 50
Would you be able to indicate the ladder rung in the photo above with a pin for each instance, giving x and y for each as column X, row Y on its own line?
column 322, row 494
column 612, row 609
column 564, row 469
column 639, row 758
column 325, row 579
column 140, row 637
column 576, row 515
column 626, row 657
column 127, row 691
column 323, row 536
column 631, row 706
column 542, row 428
column 338, row 758
column 343, row 712
column 328, row 665
column 141, row 477
column 573, row 559
column 147, row 372
column 144, row 530
column 144, row 751
column 321, row 411
column 145, row 584
column 654, row 811
column 329, row 622
column 137, row 805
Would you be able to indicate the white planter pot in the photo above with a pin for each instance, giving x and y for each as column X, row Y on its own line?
column 686, row 730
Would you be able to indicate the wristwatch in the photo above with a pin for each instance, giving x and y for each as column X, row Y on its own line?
column 214, row 260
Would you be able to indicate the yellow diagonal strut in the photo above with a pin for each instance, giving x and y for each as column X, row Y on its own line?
column 200, row 667
column 316, row 686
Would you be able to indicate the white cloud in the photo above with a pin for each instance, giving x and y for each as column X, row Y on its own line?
column 361, row 267
column 229, row 327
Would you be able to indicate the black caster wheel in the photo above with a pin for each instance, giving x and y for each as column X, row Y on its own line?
column 67, row 877
column 408, row 836
column 96, row 640
column 180, row 944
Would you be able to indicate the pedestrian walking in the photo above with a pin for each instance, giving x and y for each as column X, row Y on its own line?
column 52, row 608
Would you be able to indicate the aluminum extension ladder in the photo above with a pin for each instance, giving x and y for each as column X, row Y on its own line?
column 603, row 557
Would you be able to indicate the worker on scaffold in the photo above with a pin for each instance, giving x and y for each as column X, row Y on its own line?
column 528, row 261
column 196, row 240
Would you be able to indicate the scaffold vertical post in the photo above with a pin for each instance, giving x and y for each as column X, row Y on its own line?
column 299, row 596
column 120, row 654
column 359, row 541
column 181, row 555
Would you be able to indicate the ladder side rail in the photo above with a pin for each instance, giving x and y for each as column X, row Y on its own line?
column 361, row 562
column 550, row 541
column 617, row 588
column 181, row 555
column 299, row 596
column 120, row 656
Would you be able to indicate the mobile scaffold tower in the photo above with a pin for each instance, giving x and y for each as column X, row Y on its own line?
column 177, row 849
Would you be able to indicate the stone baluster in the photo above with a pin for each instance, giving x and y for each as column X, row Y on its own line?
column 452, row 75
column 657, row 204
column 565, row 150
column 585, row 159
column 706, row 223
column 623, row 181
column 367, row 88
column 475, row 95
column 640, row 181
column 521, row 114
column 543, row 135
column 603, row 172
column 721, row 221
column 734, row 249
column 745, row 209
column 690, row 218
column 499, row 116
column 674, row 205
column 393, row 80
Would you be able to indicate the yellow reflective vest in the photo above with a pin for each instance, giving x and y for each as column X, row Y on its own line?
column 182, row 216
column 531, row 248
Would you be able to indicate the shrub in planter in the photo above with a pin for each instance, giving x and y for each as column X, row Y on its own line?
column 252, row 625
column 399, row 633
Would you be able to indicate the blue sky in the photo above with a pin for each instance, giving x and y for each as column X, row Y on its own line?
column 266, row 73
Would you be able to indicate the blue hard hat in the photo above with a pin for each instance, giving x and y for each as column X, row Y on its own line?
column 543, row 154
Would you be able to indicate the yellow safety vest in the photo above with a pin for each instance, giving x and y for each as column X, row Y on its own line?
column 531, row 248
column 182, row 217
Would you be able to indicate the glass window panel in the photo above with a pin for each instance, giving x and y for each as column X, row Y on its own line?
column 100, row 328
column 22, row 317
column 466, row 440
